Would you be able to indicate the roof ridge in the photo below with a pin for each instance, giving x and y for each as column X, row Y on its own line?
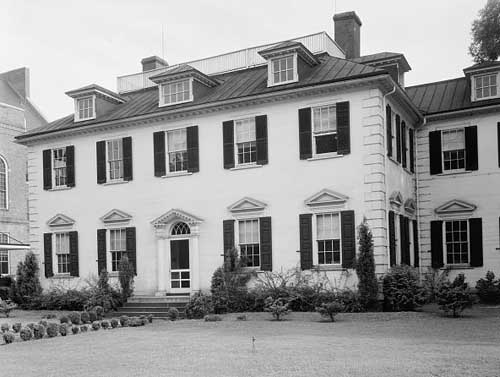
column 434, row 82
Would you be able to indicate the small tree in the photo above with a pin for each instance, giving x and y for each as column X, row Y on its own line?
column 365, row 268
column 277, row 307
column 27, row 286
column 485, row 44
column 330, row 309
column 455, row 297
column 126, row 275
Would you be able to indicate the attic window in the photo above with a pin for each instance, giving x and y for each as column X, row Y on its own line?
column 283, row 70
column 176, row 92
column 486, row 86
column 85, row 108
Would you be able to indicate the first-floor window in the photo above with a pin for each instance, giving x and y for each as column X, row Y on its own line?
column 457, row 242
column 59, row 167
column 249, row 242
column 324, row 125
column 454, row 149
column 117, row 246
column 115, row 159
column 62, row 252
column 4, row 262
column 3, row 183
column 177, row 150
column 328, row 238
column 246, row 144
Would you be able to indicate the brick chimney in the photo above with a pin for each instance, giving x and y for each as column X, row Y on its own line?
column 347, row 27
column 153, row 62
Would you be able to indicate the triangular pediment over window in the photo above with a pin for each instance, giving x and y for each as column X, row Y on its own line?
column 326, row 197
column 60, row 220
column 455, row 207
column 410, row 205
column 247, row 204
column 396, row 199
column 175, row 215
column 116, row 216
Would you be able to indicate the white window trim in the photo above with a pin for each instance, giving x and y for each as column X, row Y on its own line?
column 473, row 86
column 109, row 256
column 110, row 181
column 8, row 255
column 6, row 208
column 452, row 171
column 270, row 72
column 321, row 156
column 55, row 263
column 315, row 239
column 77, row 112
column 167, row 161
column 54, row 186
column 248, row 217
column 443, row 232
column 160, row 92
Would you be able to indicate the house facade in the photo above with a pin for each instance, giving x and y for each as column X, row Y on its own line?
column 17, row 116
column 279, row 151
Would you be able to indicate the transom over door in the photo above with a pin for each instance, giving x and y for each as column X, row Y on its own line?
column 180, row 279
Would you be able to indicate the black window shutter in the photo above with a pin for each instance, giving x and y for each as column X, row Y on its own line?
column 403, row 143
column 159, row 153
column 305, row 133
column 306, row 241
column 343, row 128
column 388, row 126
column 435, row 155
column 73, row 254
column 127, row 159
column 228, row 233
column 348, row 231
column 392, row 239
column 47, row 254
column 498, row 142
column 405, row 240
column 437, row 244
column 101, row 161
column 193, row 149
column 228, row 140
column 70, row 166
column 476, row 242
column 47, row 169
column 471, row 162
column 266, row 244
column 412, row 149
column 131, row 246
column 398, row 138
column 416, row 255
column 261, row 136
column 101, row 250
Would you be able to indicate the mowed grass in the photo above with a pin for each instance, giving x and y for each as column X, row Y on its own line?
column 367, row 344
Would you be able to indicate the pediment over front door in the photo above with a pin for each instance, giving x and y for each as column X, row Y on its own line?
column 176, row 215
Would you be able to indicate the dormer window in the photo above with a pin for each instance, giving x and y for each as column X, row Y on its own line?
column 284, row 70
column 85, row 108
column 486, row 86
column 176, row 92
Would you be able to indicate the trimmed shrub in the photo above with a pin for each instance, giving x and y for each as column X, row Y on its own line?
column 63, row 329
column 49, row 316
column 199, row 306
column 135, row 322
column 26, row 333
column 75, row 318
column 330, row 309
column 27, row 287
column 6, row 307
column 126, row 276
column 16, row 327
column 105, row 324
column 5, row 327
column 150, row 318
column 64, row 319
column 38, row 331
column 85, row 317
column 455, row 297
column 103, row 295
column 365, row 269
column 84, row 328
column 43, row 322
column 277, row 307
column 62, row 299
column 96, row 325
column 173, row 314
column 92, row 316
column 124, row 321
column 114, row 323
column 402, row 289
column 52, row 330
column 31, row 326
column 75, row 330
column 241, row 317
column 212, row 318
column 488, row 289
column 99, row 311
column 8, row 337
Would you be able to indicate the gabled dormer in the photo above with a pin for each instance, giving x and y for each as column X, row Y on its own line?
column 484, row 80
column 93, row 100
column 181, row 84
column 287, row 62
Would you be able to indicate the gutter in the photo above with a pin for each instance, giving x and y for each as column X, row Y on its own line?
column 462, row 112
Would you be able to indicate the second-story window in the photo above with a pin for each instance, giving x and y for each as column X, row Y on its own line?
column 85, row 108
column 283, row 70
column 115, row 159
column 453, row 149
column 246, row 143
column 177, row 150
column 324, row 129
column 486, row 86
column 176, row 92
column 59, row 164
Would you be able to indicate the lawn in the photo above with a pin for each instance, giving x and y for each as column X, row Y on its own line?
column 368, row 344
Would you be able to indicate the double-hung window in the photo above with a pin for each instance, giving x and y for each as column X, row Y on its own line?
column 328, row 238
column 283, row 70
column 85, row 108
column 3, row 184
column 62, row 252
column 177, row 150
column 59, row 166
column 4, row 255
column 324, row 125
column 486, row 86
column 246, row 141
column 453, row 149
column 115, row 159
column 117, row 246
column 249, row 242
column 176, row 92
column 457, row 242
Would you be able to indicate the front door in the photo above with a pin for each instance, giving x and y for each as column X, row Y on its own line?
column 180, row 274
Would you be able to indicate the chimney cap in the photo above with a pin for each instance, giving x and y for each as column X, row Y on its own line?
column 154, row 58
column 346, row 16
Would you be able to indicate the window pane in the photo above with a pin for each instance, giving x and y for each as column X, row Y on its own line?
column 328, row 226
column 176, row 92
column 326, row 143
column 245, row 130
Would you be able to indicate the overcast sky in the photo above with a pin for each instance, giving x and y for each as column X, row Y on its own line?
column 68, row 44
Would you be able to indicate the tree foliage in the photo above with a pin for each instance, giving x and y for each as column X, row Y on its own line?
column 365, row 268
column 485, row 32
column 126, row 277
column 27, row 287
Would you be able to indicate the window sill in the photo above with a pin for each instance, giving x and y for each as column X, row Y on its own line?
column 246, row 166
column 113, row 274
column 62, row 276
column 60, row 188
column 174, row 103
column 325, row 156
column 332, row 267
column 271, row 84
column 117, row 182
column 457, row 267
column 177, row 174
column 454, row 172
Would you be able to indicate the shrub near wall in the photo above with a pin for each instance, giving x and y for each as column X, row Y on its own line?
column 402, row 289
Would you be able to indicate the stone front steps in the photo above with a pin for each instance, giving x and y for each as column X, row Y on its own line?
column 158, row 306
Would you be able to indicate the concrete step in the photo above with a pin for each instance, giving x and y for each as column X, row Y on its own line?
column 155, row 304
column 155, row 314
column 158, row 299
column 152, row 308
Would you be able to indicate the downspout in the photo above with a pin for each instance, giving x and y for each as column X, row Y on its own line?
column 417, row 202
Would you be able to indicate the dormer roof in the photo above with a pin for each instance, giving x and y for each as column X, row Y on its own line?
column 384, row 58
column 181, row 72
column 484, row 66
column 289, row 47
column 97, row 90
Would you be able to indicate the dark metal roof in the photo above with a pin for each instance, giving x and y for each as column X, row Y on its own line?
column 482, row 65
column 91, row 87
column 379, row 58
column 232, row 85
